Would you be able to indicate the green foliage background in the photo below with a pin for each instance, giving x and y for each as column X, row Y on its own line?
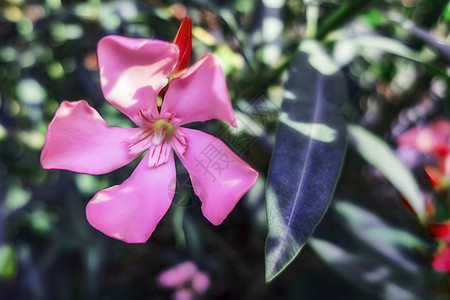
column 396, row 77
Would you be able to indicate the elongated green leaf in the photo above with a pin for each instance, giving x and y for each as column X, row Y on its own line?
column 440, row 46
column 347, row 49
column 378, row 154
column 307, row 158
column 376, row 257
column 369, row 274
column 382, row 238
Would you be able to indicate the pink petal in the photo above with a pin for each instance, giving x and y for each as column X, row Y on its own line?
column 441, row 260
column 200, row 94
column 220, row 178
column 133, row 71
column 131, row 211
column 79, row 140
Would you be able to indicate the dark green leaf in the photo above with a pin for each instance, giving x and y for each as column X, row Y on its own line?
column 308, row 154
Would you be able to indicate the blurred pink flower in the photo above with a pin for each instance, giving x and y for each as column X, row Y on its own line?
column 183, row 294
column 178, row 276
column 441, row 259
column 133, row 73
column 186, row 279
column 432, row 139
column 200, row 282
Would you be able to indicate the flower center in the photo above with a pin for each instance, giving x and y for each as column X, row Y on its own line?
column 163, row 127
column 159, row 135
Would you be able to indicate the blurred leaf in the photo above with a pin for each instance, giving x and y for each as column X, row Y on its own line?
column 447, row 12
column 8, row 53
column 8, row 263
column 55, row 70
column 346, row 49
column 229, row 60
column 373, row 231
column 3, row 132
column 376, row 257
column 41, row 221
column 62, row 32
column 343, row 14
column 374, row 18
column 441, row 47
column 307, row 158
column 366, row 272
column 30, row 91
column 16, row 197
column 32, row 139
column 244, row 6
column 378, row 154
column 89, row 184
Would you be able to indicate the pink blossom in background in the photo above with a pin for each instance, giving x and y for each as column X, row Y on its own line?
column 186, row 279
column 178, row 276
column 133, row 73
column 432, row 139
column 441, row 259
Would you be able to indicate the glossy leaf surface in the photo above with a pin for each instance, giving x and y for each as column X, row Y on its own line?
column 307, row 158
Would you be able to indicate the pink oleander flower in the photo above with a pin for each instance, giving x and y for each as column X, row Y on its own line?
column 133, row 72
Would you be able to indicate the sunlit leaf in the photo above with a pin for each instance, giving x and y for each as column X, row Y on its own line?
column 307, row 158
column 378, row 154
